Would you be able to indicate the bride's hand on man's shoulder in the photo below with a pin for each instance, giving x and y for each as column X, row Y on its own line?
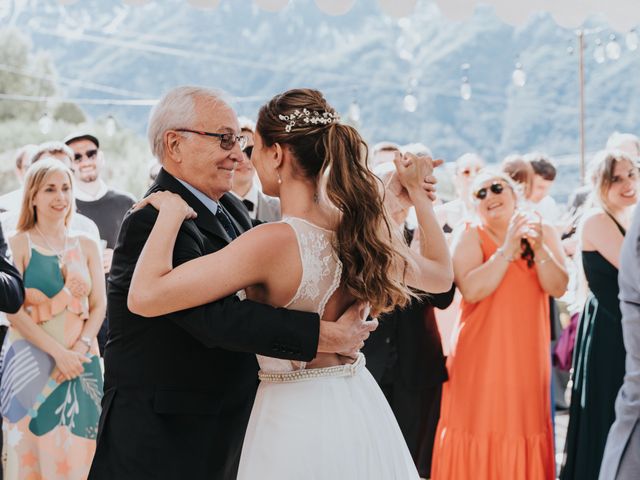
column 167, row 201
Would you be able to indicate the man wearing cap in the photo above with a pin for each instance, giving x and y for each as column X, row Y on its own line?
column 94, row 199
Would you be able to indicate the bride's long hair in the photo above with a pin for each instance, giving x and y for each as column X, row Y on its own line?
column 329, row 151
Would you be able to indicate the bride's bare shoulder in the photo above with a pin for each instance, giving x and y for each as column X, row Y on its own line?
column 270, row 236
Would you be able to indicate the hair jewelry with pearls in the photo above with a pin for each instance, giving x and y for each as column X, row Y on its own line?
column 306, row 117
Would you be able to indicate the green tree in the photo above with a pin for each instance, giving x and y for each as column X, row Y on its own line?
column 70, row 113
column 23, row 73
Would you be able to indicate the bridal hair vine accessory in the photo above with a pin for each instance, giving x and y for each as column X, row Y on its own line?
column 305, row 117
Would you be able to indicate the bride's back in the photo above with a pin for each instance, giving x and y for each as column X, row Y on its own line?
column 318, row 289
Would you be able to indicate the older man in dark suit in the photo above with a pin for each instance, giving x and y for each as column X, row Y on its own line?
column 179, row 388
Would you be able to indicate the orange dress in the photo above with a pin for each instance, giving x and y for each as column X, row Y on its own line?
column 495, row 421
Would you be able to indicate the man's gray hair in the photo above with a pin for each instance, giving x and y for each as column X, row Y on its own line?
column 176, row 109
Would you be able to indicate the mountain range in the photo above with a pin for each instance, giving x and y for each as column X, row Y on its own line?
column 372, row 68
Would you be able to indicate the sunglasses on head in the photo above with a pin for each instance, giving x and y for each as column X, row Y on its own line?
column 248, row 151
column 90, row 154
column 227, row 140
column 496, row 188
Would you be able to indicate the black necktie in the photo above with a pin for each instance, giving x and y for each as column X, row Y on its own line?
column 248, row 204
column 225, row 221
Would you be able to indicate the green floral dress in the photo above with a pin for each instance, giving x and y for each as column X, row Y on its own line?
column 50, row 428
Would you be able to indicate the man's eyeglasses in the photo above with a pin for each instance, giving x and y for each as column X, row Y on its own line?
column 496, row 188
column 248, row 150
column 90, row 154
column 227, row 140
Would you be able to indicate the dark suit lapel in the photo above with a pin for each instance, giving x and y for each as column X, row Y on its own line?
column 206, row 220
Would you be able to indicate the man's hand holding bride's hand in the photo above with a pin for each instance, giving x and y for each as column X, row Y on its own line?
column 167, row 201
column 415, row 174
column 346, row 336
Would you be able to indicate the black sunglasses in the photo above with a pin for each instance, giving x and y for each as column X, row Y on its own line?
column 496, row 188
column 227, row 140
column 90, row 154
column 248, row 151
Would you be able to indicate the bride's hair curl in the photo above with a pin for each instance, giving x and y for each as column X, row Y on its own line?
column 322, row 146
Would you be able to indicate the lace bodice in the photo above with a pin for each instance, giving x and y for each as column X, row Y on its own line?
column 321, row 272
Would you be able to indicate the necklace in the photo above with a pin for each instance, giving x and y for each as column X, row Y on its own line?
column 58, row 253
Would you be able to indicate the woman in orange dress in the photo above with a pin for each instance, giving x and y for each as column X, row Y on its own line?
column 496, row 414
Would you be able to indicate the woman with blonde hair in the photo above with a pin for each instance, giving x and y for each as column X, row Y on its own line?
column 51, row 380
column 599, row 356
column 326, row 419
column 495, row 418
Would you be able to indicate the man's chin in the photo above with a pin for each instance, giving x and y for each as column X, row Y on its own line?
column 88, row 178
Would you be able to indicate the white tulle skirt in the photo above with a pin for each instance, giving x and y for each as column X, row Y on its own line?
column 324, row 424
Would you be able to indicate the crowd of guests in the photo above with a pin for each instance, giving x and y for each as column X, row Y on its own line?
column 473, row 398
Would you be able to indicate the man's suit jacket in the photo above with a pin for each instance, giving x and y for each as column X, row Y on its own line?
column 11, row 287
column 179, row 388
column 627, row 423
column 268, row 208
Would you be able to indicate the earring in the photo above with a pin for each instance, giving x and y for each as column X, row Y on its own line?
column 279, row 178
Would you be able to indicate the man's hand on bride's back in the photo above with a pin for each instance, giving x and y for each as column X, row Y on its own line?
column 167, row 201
column 346, row 335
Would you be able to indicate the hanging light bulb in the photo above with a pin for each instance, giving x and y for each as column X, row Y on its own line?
column 465, row 89
column 518, row 76
column 410, row 102
column 45, row 123
column 632, row 40
column 613, row 48
column 598, row 52
column 110, row 126
column 354, row 112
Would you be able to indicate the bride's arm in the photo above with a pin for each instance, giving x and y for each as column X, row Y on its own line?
column 158, row 289
column 431, row 270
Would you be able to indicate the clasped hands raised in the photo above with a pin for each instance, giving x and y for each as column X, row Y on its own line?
column 413, row 176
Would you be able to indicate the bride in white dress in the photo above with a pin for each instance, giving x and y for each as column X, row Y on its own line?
column 327, row 419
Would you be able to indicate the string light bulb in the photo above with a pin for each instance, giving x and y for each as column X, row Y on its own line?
column 613, row 48
column 519, row 76
column 598, row 52
column 45, row 123
column 110, row 126
column 410, row 102
column 354, row 112
column 632, row 40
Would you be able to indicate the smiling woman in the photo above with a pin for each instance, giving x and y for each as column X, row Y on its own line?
column 599, row 366
column 501, row 358
column 52, row 383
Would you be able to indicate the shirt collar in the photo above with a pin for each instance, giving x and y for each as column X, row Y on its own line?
column 211, row 204
column 87, row 197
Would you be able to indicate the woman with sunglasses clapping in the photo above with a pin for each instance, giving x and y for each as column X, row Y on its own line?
column 496, row 421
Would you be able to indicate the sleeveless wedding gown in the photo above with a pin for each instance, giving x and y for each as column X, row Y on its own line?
column 327, row 423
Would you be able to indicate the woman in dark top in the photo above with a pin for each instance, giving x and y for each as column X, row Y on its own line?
column 599, row 357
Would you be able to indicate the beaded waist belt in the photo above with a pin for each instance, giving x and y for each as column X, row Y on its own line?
column 347, row 370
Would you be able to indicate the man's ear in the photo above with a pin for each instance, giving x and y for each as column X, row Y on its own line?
column 171, row 140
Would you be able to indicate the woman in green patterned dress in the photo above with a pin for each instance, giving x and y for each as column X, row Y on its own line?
column 51, row 378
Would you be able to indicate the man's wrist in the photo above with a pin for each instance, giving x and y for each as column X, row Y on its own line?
column 328, row 337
